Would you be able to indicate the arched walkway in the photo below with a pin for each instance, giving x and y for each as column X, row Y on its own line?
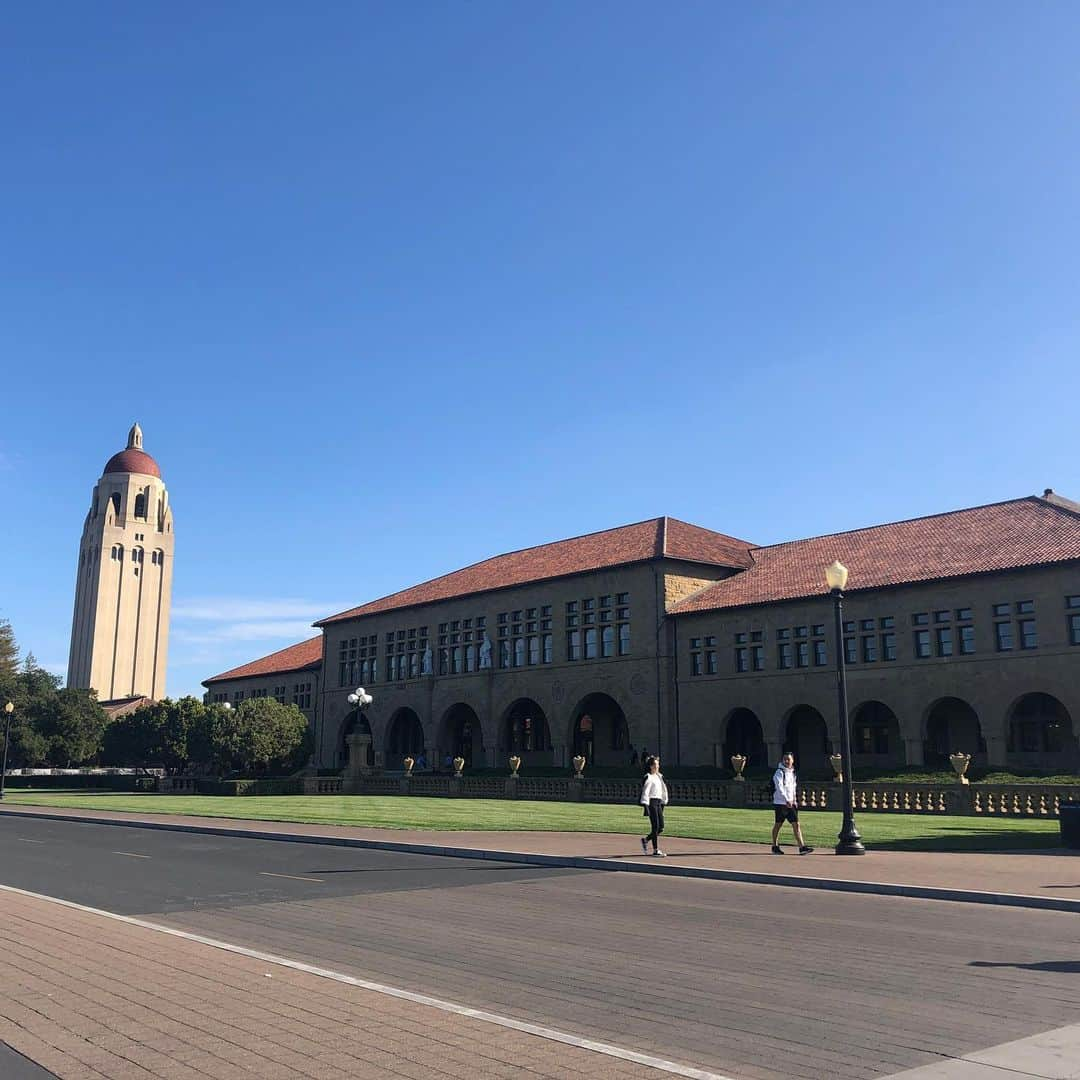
column 460, row 735
column 807, row 737
column 875, row 735
column 1040, row 732
column 600, row 732
column 952, row 725
column 525, row 732
column 404, row 737
column 742, row 735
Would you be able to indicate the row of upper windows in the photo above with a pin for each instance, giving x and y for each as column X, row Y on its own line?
column 157, row 557
column 524, row 636
column 301, row 695
column 868, row 641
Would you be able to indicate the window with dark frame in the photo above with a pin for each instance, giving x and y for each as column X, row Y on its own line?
column 1073, row 602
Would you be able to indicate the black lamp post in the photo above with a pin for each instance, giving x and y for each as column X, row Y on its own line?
column 8, row 710
column 836, row 577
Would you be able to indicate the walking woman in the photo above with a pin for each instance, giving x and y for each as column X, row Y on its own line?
column 654, row 797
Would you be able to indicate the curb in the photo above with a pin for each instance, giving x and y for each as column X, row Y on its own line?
column 582, row 862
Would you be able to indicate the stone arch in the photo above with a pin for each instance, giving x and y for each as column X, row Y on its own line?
column 404, row 737
column 806, row 735
column 599, row 730
column 875, row 734
column 743, row 735
column 524, row 731
column 1040, row 732
column 951, row 724
column 461, row 735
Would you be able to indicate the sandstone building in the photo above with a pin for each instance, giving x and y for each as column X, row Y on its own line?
column 961, row 631
column 123, row 585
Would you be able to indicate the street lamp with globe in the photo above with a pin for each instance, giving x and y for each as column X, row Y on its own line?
column 836, row 575
column 9, row 708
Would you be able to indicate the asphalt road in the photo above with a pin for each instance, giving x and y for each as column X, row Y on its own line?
column 747, row 980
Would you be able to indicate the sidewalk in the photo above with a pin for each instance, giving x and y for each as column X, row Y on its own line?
column 1038, row 879
column 88, row 998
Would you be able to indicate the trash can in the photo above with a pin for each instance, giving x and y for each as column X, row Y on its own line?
column 1069, row 817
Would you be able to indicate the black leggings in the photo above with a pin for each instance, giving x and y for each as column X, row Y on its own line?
column 656, row 821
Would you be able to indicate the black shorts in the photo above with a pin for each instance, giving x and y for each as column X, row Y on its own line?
column 787, row 813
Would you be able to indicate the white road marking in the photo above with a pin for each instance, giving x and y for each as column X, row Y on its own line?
column 293, row 877
column 27, row 840
column 538, row 1030
column 132, row 855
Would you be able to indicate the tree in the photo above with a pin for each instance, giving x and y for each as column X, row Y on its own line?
column 9, row 654
column 160, row 734
column 74, row 724
column 258, row 736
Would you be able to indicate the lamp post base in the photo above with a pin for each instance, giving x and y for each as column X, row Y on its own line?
column 850, row 845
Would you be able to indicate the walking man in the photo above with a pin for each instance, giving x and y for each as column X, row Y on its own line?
column 786, row 805
column 654, row 797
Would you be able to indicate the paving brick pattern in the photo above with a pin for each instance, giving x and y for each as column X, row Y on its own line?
column 89, row 998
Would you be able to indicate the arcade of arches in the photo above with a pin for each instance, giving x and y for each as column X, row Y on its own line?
column 1037, row 732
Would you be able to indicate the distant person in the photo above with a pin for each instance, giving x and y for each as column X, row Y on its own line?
column 633, row 755
column 421, row 761
column 654, row 797
column 786, row 804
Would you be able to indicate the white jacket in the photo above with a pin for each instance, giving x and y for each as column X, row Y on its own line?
column 653, row 788
column 784, row 783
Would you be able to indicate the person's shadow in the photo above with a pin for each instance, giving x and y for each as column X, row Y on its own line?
column 1068, row 967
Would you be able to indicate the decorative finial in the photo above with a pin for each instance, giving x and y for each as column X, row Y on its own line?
column 135, row 437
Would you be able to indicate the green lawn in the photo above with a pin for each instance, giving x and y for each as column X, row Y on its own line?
column 882, row 831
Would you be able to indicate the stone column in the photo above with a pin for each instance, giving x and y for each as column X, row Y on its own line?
column 996, row 750
column 559, row 758
column 773, row 748
column 357, row 766
column 913, row 751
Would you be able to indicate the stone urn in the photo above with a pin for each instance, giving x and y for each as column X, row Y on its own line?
column 738, row 763
column 408, row 763
column 579, row 766
column 515, row 764
column 459, row 764
column 960, row 762
column 836, row 761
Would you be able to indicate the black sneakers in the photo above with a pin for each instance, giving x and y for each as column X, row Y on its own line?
column 777, row 849
column 804, row 850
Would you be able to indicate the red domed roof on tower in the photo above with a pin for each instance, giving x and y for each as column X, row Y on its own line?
column 133, row 459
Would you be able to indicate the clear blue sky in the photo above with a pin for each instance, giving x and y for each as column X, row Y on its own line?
column 394, row 287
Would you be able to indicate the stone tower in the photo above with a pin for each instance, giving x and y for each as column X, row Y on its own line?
column 120, row 631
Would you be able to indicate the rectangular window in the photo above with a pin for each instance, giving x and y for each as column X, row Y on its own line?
column 534, row 650
column 573, row 644
column 801, row 631
column 783, row 635
column 742, row 660
column 922, row 619
column 802, row 654
column 757, row 657
column 1072, row 601
column 740, row 639
column 820, row 656
column 922, row 644
column 966, row 640
column 590, row 643
column 944, row 641
column 1003, row 636
column 1074, row 629
column 887, row 623
column 851, row 651
column 710, row 663
column 279, row 694
column 1025, row 607
column 818, row 630
column 869, row 648
column 866, row 624
column 757, row 635
column 607, row 641
column 545, row 646
column 888, row 645
column 1029, row 638
column 624, row 639
column 783, row 656
column 849, row 627
column 1002, row 609
column 519, row 652
column 964, row 614
column 942, row 616
column 695, row 663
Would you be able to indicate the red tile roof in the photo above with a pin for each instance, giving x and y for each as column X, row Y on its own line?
column 662, row 537
column 1003, row 536
column 306, row 654
column 132, row 461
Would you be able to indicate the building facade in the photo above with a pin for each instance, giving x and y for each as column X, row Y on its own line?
column 123, row 585
column 961, row 632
